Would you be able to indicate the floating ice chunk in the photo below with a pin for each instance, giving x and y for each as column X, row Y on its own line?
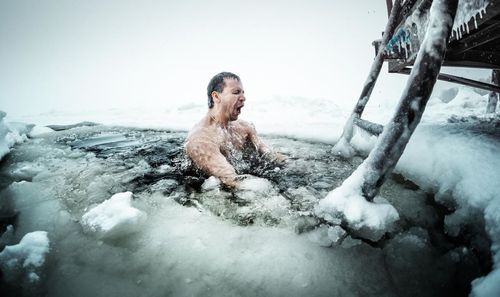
column 305, row 224
column 26, row 257
column 326, row 235
column 370, row 219
column 320, row 236
column 114, row 217
column 335, row 234
column 166, row 186
column 165, row 168
column 254, row 189
column 38, row 131
column 256, row 184
column 211, row 183
column 350, row 242
column 487, row 286
column 26, row 170
column 277, row 205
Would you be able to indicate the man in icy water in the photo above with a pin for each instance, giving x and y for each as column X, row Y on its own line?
column 213, row 143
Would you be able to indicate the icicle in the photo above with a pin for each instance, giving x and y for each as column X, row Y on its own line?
column 468, row 10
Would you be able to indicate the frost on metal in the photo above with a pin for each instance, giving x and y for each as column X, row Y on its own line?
column 411, row 33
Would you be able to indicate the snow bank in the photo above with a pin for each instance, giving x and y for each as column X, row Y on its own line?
column 4, row 130
column 325, row 115
column 10, row 134
column 370, row 220
column 114, row 217
column 462, row 167
column 455, row 153
column 462, row 101
column 25, row 259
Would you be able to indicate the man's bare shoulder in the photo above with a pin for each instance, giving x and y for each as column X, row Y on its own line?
column 200, row 134
column 245, row 126
column 198, row 129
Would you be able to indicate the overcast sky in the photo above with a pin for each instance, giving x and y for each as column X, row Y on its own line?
column 69, row 55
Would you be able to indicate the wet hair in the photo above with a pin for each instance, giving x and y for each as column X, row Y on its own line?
column 217, row 84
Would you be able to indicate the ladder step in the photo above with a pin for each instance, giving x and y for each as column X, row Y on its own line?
column 370, row 127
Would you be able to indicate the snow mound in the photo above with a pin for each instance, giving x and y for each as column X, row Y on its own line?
column 10, row 135
column 370, row 220
column 463, row 101
column 38, row 131
column 4, row 130
column 114, row 217
column 25, row 258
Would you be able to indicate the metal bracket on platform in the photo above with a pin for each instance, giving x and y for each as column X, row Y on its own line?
column 460, row 80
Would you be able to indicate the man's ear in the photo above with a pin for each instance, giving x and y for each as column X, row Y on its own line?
column 215, row 96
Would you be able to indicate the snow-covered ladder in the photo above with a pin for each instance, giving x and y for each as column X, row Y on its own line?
column 396, row 134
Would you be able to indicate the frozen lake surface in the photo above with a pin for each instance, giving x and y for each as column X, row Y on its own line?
column 198, row 239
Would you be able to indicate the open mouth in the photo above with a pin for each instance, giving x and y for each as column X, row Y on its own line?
column 238, row 109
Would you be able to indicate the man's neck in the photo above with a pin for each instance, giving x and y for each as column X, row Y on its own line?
column 217, row 118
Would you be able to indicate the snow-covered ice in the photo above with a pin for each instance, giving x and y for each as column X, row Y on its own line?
column 114, row 217
column 371, row 220
column 10, row 134
column 23, row 261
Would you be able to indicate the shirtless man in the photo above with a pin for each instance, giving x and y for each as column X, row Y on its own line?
column 211, row 140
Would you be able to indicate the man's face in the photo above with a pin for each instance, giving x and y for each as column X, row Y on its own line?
column 232, row 98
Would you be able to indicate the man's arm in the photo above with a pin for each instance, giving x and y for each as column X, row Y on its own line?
column 262, row 147
column 207, row 157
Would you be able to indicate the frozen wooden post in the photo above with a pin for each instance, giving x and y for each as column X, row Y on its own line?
column 493, row 98
column 397, row 132
column 343, row 148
